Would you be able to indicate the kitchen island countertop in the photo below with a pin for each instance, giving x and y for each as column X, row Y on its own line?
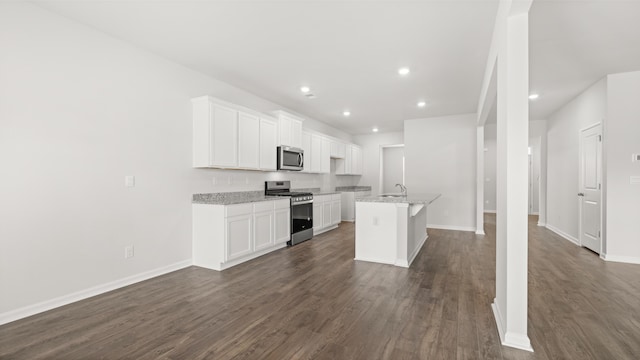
column 419, row 198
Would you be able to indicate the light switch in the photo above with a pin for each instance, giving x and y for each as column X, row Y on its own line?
column 635, row 157
column 634, row 180
column 130, row 181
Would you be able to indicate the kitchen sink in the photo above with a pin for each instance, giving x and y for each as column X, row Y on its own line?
column 393, row 195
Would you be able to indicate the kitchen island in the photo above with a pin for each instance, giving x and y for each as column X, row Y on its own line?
column 391, row 229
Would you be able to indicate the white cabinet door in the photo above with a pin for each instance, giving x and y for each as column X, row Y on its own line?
column 239, row 231
column 223, row 136
column 325, row 160
column 282, row 226
column 284, row 127
column 335, row 212
column 268, row 144
column 263, row 230
column 248, row 141
column 337, row 149
column 306, row 146
column 316, row 153
column 296, row 133
column 326, row 213
column 318, row 222
column 348, row 160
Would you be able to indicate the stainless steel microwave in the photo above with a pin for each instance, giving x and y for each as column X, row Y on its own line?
column 290, row 158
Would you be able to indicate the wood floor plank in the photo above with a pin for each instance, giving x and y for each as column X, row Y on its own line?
column 313, row 301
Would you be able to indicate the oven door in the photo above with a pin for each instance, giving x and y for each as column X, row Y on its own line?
column 301, row 217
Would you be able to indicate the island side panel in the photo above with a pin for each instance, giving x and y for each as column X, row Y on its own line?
column 376, row 232
column 418, row 225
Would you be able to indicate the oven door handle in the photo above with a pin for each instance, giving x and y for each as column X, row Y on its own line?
column 300, row 160
column 303, row 202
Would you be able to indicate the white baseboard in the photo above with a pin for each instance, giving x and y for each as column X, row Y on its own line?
column 534, row 213
column 29, row 310
column 379, row 261
column 451, row 227
column 541, row 224
column 621, row 258
column 324, row 230
column 510, row 339
column 489, row 211
column 563, row 234
column 479, row 232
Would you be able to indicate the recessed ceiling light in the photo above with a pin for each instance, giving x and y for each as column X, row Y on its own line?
column 305, row 89
column 374, row 129
column 422, row 104
column 533, row 96
column 403, row 71
column 346, row 113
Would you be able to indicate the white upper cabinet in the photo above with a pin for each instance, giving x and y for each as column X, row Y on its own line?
column 325, row 156
column 289, row 129
column 215, row 134
column 337, row 149
column 296, row 133
column 230, row 136
column 316, row 153
column 306, row 147
column 352, row 162
column 268, row 144
column 248, row 141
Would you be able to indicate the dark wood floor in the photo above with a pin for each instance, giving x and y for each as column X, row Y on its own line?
column 313, row 301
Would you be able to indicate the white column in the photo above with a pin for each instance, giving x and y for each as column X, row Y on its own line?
column 480, row 181
column 510, row 304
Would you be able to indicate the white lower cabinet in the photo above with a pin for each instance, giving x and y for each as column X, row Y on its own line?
column 326, row 212
column 239, row 229
column 318, row 222
column 263, row 230
column 227, row 235
column 282, row 225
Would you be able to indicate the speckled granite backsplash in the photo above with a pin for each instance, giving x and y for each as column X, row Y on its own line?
column 229, row 198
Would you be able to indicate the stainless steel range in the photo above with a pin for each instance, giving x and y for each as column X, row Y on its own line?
column 301, row 209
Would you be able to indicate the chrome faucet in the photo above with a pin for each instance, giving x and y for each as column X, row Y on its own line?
column 403, row 189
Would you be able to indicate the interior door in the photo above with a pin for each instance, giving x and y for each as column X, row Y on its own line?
column 590, row 187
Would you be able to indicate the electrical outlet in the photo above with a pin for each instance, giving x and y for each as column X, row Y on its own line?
column 128, row 251
column 130, row 181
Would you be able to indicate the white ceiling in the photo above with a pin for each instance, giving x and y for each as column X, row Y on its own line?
column 348, row 52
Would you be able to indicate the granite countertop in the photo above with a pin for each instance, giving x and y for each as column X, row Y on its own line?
column 232, row 198
column 316, row 191
column 419, row 198
column 353, row 188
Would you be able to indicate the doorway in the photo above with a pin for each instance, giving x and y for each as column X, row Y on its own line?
column 391, row 168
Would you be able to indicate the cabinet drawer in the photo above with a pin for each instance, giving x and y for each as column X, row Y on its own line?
column 335, row 197
column 282, row 204
column 263, row 206
column 239, row 209
column 321, row 198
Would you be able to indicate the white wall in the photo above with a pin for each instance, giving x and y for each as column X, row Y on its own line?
column 371, row 156
column 440, row 157
column 621, row 140
column 563, row 130
column 392, row 168
column 537, row 139
column 490, row 159
column 79, row 110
